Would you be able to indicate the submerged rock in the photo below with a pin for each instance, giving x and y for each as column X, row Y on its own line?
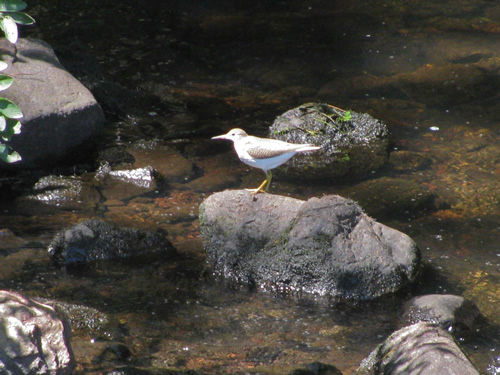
column 83, row 319
column 64, row 191
column 96, row 240
column 423, row 349
column 59, row 112
column 324, row 246
column 34, row 338
column 446, row 310
column 352, row 147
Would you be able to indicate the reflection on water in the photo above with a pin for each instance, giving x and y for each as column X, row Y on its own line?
column 170, row 76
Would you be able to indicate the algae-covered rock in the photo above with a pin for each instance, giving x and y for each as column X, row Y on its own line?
column 320, row 247
column 353, row 144
column 96, row 240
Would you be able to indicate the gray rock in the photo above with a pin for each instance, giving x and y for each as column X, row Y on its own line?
column 350, row 149
column 64, row 191
column 324, row 246
column 446, row 310
column 142, row 177
column 59, row 112
column 96, row 240
column 34, row 339
column 423, row 349
column 83, row 319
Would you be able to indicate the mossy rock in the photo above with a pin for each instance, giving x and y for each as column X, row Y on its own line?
column 353, row 144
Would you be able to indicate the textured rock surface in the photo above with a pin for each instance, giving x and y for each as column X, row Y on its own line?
column 96, row 240
column 423, row 349
column 446, row 310
column 59, row 112
column 324, row 246
column 351, row 149
column 33, row 338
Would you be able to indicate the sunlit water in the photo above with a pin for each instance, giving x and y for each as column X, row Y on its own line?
column 192, row 70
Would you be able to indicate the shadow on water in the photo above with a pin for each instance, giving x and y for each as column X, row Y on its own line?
column 170, row 75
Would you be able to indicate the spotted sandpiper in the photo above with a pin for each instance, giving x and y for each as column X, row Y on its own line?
column 263, row 153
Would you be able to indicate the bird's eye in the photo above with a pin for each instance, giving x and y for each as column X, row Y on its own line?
column 233, row 134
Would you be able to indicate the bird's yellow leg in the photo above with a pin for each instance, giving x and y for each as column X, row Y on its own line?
column 269, row 177
column 264, row 186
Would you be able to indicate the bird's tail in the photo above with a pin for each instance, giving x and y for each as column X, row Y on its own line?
column 306, row 148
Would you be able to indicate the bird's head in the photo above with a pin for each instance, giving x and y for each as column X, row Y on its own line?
column 232, row 135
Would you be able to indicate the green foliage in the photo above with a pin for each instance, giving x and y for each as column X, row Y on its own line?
column 345, row 117
column 10, row 16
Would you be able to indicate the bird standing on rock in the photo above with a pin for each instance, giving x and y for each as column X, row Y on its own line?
column 263, row 153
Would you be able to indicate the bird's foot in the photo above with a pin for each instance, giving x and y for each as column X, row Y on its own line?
column 256, row 191
column 261, row 189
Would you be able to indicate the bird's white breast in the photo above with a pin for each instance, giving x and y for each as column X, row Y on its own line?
column 264, row 164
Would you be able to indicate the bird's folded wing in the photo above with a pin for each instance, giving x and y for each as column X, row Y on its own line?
column 265, row 153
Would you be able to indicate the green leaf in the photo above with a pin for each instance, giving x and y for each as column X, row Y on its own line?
column 12, row 5
column 3, row 65
column 22, row 18
column 11, row 128
column 9, row 109
column 9, row 27
column 347, row 116
column 5, row 156
column 5, row 81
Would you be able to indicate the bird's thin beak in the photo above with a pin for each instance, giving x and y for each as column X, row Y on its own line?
column 220, row 137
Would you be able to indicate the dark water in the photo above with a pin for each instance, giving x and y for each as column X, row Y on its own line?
column 171, row 74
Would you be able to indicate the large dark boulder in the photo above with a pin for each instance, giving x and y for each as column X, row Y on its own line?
column 324, row 246
column 34, row 338
column 60, row 114
column 96, row 240
column 422, row 348
column 353, row 146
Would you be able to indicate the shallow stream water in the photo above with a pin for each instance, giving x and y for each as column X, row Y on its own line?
column 172, row 74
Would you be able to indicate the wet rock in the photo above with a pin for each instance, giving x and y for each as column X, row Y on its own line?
column 34, row 338
column 64, row 191
column 96, row 240
column 84, row 319
column 127, row 184
column 60, row 114
column 324, row 246
column 351, row 148
column 446, row 310
column 114, row 156
column 422, row 348
column 316, row 368
column 142, row 177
